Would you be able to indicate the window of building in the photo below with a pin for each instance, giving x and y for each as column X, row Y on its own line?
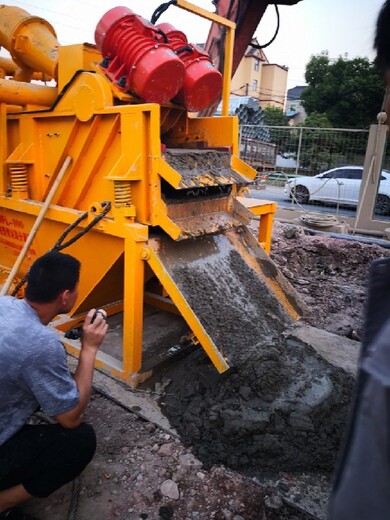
column 257, row 65
column 254, row 85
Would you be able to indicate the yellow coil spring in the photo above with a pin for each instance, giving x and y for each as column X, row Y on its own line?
column 18, row 174
column 122, row 193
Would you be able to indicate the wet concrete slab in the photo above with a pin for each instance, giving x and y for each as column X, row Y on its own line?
column 338, row 350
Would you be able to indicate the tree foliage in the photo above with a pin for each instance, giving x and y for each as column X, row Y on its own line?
column 322, row 149
column 317, row 148
column 274, row 116
column 317, row 120
column 348, row 92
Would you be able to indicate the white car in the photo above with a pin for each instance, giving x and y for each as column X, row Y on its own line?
column 339, row 185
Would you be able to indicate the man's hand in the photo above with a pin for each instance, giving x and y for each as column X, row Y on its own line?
column 94, row 330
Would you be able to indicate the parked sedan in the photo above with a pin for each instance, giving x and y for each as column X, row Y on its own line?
column 339, row 185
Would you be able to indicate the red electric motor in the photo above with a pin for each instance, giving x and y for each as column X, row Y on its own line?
column 136, row 58
column 202, row 81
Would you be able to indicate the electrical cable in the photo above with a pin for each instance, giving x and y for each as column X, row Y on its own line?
column 74, row 499
column 256, row 46
column 185, row 48
column 165, row 37
column 59, row 245
column 160, row 10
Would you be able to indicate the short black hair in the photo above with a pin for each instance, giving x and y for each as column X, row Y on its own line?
column 382, row 38
column 50, row 275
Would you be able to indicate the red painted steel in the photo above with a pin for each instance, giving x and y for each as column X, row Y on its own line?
column 136, row 58
column 202, row 81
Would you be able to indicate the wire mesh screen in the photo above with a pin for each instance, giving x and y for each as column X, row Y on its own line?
column 301, row 150
column 308, row 166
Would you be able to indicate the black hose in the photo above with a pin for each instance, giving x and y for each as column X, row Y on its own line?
column 185, row 48
column 165, row 37
column 365, row 240
column 160, row 10
column 263, row 46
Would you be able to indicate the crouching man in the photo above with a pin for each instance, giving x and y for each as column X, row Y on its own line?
column 36, row 460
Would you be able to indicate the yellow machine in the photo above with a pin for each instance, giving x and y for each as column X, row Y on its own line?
column 164, row 184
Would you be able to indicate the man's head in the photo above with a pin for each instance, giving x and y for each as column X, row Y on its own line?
column 54, row 278
column 382, row 40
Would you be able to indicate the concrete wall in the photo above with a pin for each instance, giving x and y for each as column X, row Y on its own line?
column 273, row 85
column 243, row 80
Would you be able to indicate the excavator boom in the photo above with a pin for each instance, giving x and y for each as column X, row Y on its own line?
column 247, row 15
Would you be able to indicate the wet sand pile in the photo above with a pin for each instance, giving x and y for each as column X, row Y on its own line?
column 228, row 281
column 211, row 164
column 229, row 307
column 283, row 407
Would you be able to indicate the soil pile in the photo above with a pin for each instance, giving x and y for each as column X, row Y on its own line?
column 141, row 472
column 284, row 407
column 330, row 274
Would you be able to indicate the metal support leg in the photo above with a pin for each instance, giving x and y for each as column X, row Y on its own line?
column 133, row 306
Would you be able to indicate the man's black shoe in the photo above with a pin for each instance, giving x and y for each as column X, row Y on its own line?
column 16, row 514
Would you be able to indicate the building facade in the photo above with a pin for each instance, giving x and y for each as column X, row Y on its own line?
column 258, row 78
column 294, row 108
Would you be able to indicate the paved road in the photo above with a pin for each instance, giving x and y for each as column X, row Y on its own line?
column 276, row 194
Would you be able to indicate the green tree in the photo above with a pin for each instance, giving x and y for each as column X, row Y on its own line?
column 316, row 120
column 316, row 145
column 274, row 116
column 349, row 92
column 322, row 149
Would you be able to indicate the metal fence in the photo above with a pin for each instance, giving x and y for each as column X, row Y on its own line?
column 302, row 150
column 302, row 157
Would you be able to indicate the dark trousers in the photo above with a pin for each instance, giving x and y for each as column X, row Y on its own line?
column 45, row 457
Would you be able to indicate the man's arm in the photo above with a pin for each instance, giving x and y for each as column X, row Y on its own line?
column 93, row 335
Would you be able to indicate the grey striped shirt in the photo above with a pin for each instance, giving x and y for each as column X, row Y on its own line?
column 33, row 368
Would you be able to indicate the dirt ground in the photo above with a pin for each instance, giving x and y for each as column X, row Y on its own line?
column 141, row 471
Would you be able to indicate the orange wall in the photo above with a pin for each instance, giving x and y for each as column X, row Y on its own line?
column 268, row 84
column 273, row 86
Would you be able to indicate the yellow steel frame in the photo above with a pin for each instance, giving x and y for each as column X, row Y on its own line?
column 97, row 137
column 133, row 239
column 266, row 210
column 116, row 156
